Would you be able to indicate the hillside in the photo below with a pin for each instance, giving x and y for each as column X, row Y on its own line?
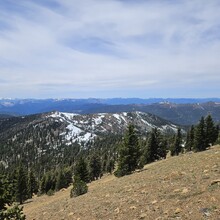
column 70, row 127
column 46, row 140
column 182, row 187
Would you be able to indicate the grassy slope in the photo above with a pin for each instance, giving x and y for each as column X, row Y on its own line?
column 175, row 188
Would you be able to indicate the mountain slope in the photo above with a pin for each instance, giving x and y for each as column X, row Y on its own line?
column 70, row 127
column 46, row 140
column 180, row 187
column 86, row 127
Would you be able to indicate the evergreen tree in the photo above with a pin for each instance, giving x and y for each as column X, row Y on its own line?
column 32, row 184
column 200, row 138
column 42, row 187
column 110, row 166
column 210, row 131
column 81, row 170
column 155, row 148
column 50, row 183
column 5, row 195
column 177, row 146
column 21, row 184
column 95, row 167
column 217, row 135
column 190, row 139
column 79, row 187
column 129, row 153
column 60, row 182
column 6, row 199
column 64, row 178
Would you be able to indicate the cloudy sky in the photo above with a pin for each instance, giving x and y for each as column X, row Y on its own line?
column 109, row 48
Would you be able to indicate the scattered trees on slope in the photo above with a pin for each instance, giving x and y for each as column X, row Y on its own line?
column 203, row 135
column 89, row 164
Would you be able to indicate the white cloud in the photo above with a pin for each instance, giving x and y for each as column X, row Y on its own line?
column 84, row 47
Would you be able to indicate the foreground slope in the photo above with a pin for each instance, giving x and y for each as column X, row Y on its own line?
column 183, row 187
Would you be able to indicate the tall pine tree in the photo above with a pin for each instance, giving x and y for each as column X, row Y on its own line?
column 190, row 139
column 155, row 148
column 32, row 184
column 81, row 170
column 7, row 211
column 200, row 137
column 210, row 131
column 21, row 184
column 177, row 146
column 95, row 167
column 129, row 153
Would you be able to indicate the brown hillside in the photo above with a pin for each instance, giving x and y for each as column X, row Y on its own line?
column 183, row 187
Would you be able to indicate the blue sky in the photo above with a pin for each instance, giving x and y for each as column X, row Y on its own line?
column 109, row 48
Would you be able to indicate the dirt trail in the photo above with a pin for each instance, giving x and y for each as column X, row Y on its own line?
column 183, row 187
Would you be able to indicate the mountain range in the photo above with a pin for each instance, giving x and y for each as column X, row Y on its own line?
column 179, row 111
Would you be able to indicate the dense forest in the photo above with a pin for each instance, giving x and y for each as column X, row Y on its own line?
column 73, row 164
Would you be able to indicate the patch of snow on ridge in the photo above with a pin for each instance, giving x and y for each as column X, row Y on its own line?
column 86, row 137
column 63, row 115
column 99, row 119
column 147, row 123
column 68, row 115
column 72, row 128
column 117, row 116
column 166, row 127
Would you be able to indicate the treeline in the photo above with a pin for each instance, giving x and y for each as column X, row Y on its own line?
column 134, row 153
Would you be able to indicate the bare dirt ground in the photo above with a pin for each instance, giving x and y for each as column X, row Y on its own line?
column 183, row 187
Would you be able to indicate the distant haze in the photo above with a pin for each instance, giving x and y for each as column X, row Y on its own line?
column 109, row 48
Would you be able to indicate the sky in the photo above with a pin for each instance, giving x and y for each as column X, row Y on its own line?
column 109, row 48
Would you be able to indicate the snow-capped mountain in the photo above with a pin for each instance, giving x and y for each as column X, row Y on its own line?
column 60, row 128
column 53, row 137
column 87, row 127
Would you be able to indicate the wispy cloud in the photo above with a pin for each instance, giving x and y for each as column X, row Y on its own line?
column 54, row 48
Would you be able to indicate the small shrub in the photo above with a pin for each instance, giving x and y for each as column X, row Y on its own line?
column 14, row 213
column 50, row 192
column 79, row 188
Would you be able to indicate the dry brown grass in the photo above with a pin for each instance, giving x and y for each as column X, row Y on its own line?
column 180, row 187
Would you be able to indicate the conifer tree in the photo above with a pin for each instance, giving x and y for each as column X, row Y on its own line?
column 60, row 182
column 129, row 153
column 210, row 131
column 95, row 167
column 81, row 170
column 110, row 166
column 21, row 184
column 32, row 184
column 79, row 187
column 190, row 139
column 42, row 187
column 177, row 146
column 5, row 195
column 155, row 148
column 200, row 138
column 6, row 198
column 64, row 178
